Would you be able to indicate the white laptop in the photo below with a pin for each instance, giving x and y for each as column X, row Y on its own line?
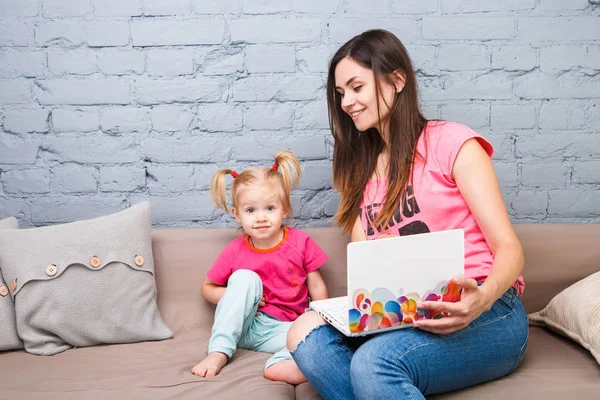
column 388, row 277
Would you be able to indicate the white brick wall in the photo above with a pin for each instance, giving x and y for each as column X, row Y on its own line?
column 104, row 103
column 70, row 33
column 20, row 8
column 15, row 63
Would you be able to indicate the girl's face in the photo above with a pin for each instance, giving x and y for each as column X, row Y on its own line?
column 356, row 85
column 260, row 211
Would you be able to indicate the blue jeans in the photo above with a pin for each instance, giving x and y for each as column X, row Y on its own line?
column 411, row 363
column 237, row 325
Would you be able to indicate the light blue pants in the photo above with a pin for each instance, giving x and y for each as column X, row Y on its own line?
column 237, row 325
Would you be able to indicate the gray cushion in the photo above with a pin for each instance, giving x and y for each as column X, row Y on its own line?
column 575, row 313
column 9, row 340
column 9, row 223
column 84, row 283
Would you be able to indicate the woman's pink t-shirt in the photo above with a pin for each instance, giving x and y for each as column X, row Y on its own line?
column 282, row 269
column 433, row 202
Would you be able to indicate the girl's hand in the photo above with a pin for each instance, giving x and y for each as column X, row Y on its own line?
column 474, row 301
column 386, row 235
column 261, row 303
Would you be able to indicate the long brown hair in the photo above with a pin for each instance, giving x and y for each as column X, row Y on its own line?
column 355, row 153
column 286, row 174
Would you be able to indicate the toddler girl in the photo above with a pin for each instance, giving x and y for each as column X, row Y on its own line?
column 262, row 280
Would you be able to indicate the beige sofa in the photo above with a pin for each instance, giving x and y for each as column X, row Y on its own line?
column 553, row 367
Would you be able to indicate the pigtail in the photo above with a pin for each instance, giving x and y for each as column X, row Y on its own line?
column 217, row 188
column 287, row 169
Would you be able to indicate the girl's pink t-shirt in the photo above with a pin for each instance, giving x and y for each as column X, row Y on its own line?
column 432, row 202
column 282, row 269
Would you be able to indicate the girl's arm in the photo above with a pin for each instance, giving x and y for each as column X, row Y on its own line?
column 316, row 286
column 211, row 291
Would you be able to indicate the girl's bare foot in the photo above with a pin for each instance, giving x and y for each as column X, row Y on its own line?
column 285, row 371
column 211, row 365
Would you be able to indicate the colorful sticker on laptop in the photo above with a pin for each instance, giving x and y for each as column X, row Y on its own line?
column 382, row 309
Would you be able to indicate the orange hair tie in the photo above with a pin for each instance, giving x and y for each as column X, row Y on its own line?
column 234, row 174
column 275, row 166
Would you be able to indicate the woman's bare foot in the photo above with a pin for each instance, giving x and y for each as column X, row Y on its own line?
column 285, row 371
column 211, row 365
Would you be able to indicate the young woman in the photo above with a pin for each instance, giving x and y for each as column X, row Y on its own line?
column 400, row 174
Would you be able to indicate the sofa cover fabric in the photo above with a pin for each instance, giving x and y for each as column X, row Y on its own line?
column 554, row 367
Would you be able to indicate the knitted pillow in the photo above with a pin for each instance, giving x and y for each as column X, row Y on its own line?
column 575, row 313
column 9, row 223
column 9, row 340
column 84, row 283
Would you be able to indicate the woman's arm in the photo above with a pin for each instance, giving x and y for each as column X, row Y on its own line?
column 476, row 179
column 211, row 291
column 357, row 234
column 316, row 286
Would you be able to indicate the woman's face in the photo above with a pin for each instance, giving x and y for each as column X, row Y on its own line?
column 356, row 85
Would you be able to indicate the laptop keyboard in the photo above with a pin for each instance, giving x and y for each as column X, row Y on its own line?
column 339, row 313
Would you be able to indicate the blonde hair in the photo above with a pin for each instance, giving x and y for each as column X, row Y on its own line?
column 286, row 171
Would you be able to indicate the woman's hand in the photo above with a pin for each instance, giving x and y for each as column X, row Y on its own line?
column 473, row 302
